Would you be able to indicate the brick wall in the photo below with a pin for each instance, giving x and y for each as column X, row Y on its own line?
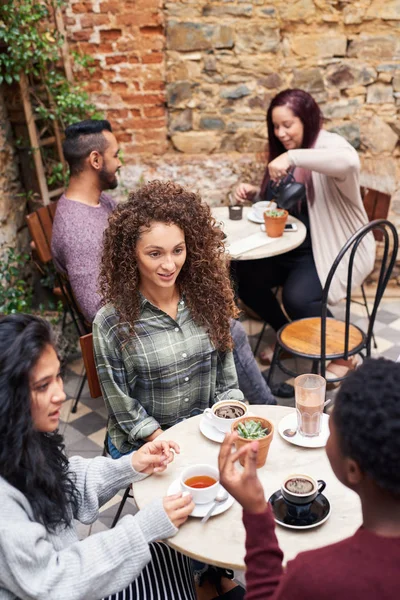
column 127, row 41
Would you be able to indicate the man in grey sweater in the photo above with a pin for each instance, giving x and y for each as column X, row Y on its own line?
column 92, row 153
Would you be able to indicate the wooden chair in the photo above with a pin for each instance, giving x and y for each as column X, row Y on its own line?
column 86, row 342
column 322, row 338
column 40, row 225
column 377, row 206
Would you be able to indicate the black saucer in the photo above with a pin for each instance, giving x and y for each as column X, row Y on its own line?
column 296, row 516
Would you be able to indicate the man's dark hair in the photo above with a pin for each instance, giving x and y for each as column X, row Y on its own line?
column 81, row 139
column 367, row 417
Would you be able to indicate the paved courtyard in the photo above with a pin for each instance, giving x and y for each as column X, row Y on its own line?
column 84, row 431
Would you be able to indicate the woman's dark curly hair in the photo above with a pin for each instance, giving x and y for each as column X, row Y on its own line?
column 367, row 417
column 204, row 278
column 31, row 461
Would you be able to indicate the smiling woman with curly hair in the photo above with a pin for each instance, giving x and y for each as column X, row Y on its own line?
column 162, row 338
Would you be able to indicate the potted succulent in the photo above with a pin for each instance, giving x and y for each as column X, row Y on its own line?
column 275, row 221
column 250, row 429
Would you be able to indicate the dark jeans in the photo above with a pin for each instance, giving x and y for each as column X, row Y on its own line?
column 301, row 288
column 251, row 382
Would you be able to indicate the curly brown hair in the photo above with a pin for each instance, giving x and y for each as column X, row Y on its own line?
column 203, row 279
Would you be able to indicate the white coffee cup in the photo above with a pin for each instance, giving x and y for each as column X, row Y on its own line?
column 260, row 207
column 201, row 495
column 221, row 423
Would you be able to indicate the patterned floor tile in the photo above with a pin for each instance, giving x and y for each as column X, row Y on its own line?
column 98, row 437
column 89, row 423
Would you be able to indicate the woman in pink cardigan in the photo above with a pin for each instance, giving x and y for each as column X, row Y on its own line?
column 332, row 211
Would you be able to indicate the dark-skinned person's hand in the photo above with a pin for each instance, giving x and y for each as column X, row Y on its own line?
column 244, row 485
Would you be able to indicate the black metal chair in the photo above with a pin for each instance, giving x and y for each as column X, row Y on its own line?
column 325, row 338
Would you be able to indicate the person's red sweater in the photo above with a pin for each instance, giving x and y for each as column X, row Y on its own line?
column 363, row 567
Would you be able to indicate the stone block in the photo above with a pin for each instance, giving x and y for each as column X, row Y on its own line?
column 353, row 15
column 243, row 10
column 309, row 80
column 248, row 142
column 373, row 47
column 378, row 136
column 348, row 74
column 212, row 123
column 178, row 93
column 318, row 45
column 271, row 81
column 195, row 142
column 387, row 10
column 257, row 38
column 181, row 121
column 235, row 93
column 396, row 82
column 187, row 37
column 350, row 131
column 380, row 93
column 297, row 10
column 341, row 109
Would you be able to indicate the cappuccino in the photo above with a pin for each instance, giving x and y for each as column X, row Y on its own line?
column 299, row 485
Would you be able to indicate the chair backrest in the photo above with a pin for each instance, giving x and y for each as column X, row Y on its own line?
column 377, row 206
column 40, row 225
column 86, row 342
column 80, row 322
column 390, row 247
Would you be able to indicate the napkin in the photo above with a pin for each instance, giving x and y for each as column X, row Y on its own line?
column 249, row 243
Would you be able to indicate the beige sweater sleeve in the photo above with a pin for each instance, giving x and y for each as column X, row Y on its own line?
column 333, row 162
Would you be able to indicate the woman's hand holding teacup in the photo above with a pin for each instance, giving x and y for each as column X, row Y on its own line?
column 279, row 167
column 244, row 192
column 178, row 507
column 154, row 456
column 244, row 486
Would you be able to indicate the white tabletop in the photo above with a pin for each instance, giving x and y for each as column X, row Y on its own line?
column 239, row 230
column 221, row 540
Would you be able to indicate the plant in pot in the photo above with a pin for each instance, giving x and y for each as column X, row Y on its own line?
column 250, row 429
column 275, row 221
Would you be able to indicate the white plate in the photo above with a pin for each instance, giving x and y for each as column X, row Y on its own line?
column 290, row 422
column 251, row 215
column 200, row 510
column 211, row 432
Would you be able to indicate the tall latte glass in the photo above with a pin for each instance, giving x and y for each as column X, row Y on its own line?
column 310, row 397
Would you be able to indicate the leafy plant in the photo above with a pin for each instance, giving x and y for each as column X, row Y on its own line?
column 15, row 294
column 30, row 43
column 251, row 430
column 275, row 213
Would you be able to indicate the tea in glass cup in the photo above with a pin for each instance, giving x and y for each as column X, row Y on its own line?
column 309, row 392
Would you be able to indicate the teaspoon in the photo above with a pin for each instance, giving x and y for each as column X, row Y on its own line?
column 220, row 497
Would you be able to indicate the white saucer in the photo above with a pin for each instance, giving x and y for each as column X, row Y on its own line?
column 211, row 432
column 290, row 422
column 200, row 510
column 251, row 215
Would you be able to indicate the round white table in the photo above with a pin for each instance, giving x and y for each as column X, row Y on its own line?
column 240, row 230
column 221, row 540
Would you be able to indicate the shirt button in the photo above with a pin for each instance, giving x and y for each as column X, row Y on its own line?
column 176, row 329
column 181, row 303
column 186, row 378
column 184, row 355
column 186, row 399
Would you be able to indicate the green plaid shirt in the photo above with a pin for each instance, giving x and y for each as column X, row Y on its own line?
column 169, row 372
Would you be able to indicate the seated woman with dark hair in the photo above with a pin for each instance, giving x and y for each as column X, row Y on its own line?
column 42, row 492
column 363, row 449
column 162, row 340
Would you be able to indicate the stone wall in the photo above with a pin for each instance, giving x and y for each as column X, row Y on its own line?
column 12, row 201
column 194, row 77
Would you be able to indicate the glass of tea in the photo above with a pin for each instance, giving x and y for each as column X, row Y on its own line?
column 202, row 482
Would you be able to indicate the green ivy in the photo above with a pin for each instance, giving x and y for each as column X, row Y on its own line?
column 15, row 294
column 30, row 44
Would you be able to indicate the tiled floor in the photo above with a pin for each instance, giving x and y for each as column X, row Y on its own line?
column 84, row 431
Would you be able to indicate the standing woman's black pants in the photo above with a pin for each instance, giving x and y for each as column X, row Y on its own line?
column 295, row 271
